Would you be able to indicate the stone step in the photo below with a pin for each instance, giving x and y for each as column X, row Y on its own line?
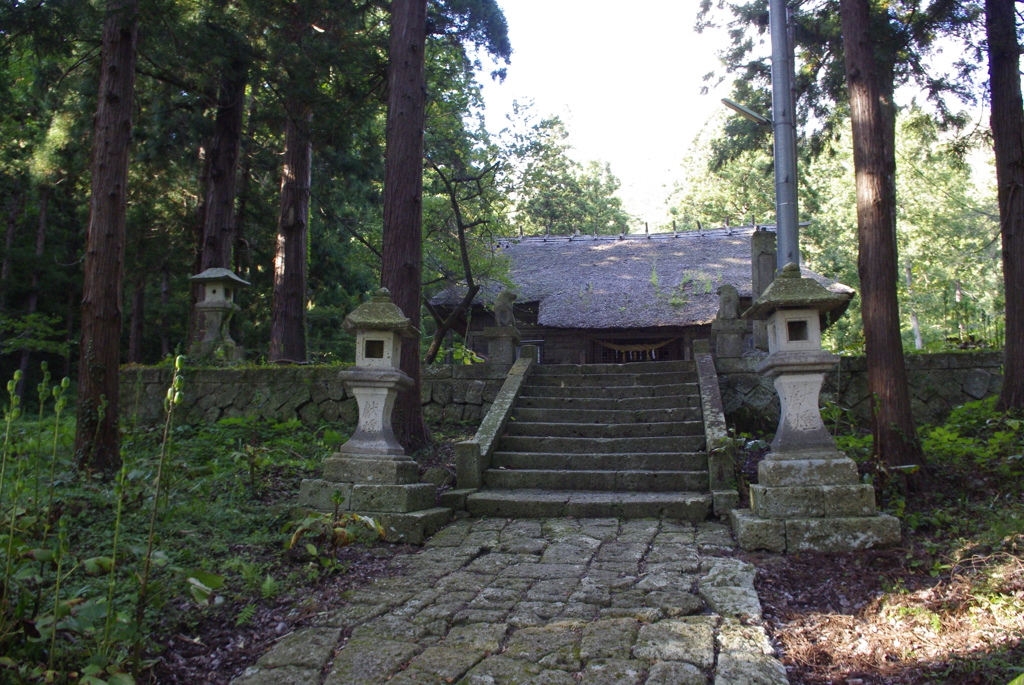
column 631, row 367
column 688, row 506
column 605, row 403
column 605, row 481
column 572, row 415
column 541, row 429
column 611, row 380
column 643, row 461
column 614, row 392
column 677, row 443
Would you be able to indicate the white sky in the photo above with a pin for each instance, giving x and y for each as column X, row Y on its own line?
column 624, row 77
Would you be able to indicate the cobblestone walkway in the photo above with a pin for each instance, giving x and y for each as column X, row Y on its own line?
column 544, row 602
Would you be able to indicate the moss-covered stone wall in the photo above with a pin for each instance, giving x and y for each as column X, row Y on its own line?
column 311, row 394
column 315, row 394
column 938, row 383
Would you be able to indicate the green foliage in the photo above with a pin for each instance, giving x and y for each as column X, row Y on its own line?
column 77, row 548
column 553, row 193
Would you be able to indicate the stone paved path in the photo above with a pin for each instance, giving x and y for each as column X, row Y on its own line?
column 543, row 602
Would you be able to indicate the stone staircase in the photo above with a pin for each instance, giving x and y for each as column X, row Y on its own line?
column 601, row 440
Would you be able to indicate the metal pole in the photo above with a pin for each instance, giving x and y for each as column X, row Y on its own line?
column 784, row 129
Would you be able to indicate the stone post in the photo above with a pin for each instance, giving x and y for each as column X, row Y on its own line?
column 728, row 327
column 762, row 273
column 214, row 343
column 808, row 495
column 502, row 342
column 371, row 472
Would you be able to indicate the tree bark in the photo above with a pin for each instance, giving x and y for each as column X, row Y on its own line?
column 13, row 211
column 288, row 312
column 33, row 292
column 872, row 115
column 165, row 301
column 402, row 249
column 1008, row 138
column 97, row 436
column 138, row 319
column 218, row 231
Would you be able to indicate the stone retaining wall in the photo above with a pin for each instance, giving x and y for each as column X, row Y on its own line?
column 311, row 394
column 938, row 383
column 314, row 394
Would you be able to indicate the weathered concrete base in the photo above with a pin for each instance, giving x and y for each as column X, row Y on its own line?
column 421, row 520
column 456, row 499
column 830, row 534
column 317, row 493
column 777, row 472
column 343, row 468
column 414, row 527
column 812, row 501
column 842, row 534
column 753, row 532
column 725, row 501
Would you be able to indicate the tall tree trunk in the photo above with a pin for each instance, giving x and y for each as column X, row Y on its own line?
column 136, row 327
column 244, row 176
column 97, row 436
column 915, row 324
column 13, row 211
column 402, row 250
column 218, row 232
column 288, row 312
column 33, row 292
column 165, row 303
column 872, row 115
column 1008, row 137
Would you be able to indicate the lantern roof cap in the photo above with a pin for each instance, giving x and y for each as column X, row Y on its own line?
column 790, row 290
column 379, row 314
column 218, row 274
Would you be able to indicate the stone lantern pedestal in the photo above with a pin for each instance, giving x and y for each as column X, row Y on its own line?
column 371, row 472
column 214, row 315
column 808, row 495
column 502, row 342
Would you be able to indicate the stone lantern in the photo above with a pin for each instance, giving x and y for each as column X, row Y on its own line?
column 808, row 495
column 379, row 327
column 215, row 311
column 371, row 474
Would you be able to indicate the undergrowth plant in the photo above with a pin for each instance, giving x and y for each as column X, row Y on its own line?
column 95, row 571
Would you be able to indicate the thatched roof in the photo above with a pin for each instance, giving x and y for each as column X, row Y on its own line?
column 633, row 281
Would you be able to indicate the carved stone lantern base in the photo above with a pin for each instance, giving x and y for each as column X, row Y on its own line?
column 501, row 344
column 371, row 474
column 808, row 496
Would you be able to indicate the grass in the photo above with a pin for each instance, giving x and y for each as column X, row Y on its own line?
column 196, row 521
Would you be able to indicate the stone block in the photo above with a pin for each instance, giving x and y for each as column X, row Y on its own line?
column 456, row 499
column 475, row 392
column 795, row 472
column 442, row 392
column 976, row 383
column 469, row 466
column 472, row 413
column 725, row 501
column 425, row 391
column 413, row 527
column 318, row 494
column 813, row 501
column 437, row 371
column 453, row 412
column 348, row 411
column 353, row 469
column 393, row 498
column 842, row 534
column 753, row 532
